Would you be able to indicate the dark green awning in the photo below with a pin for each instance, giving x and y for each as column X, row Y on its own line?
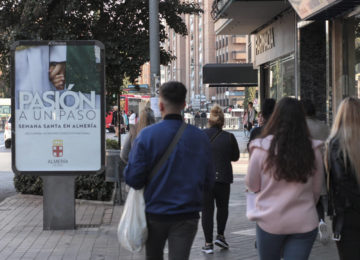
column 240, row 74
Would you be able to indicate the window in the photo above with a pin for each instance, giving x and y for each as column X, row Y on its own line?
column 282, row 78
column 242, row 47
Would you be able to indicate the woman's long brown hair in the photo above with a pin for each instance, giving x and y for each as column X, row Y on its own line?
column 291, row 156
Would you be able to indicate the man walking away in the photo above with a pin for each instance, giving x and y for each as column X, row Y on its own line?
column 115, row 120
column 251, row 116
column 203, row 120
column 174, row 195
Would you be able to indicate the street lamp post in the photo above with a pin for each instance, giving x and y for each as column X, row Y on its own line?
column 154, row 45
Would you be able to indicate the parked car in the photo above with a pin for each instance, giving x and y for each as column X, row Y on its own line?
column 7, row 133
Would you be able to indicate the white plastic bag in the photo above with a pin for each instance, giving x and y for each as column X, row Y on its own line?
column 250, row 205
column 132, row 229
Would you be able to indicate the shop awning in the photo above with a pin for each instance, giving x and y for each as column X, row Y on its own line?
column 244, row 16
column 230, row 74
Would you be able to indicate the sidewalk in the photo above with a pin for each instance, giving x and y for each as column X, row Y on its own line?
column 22, row 236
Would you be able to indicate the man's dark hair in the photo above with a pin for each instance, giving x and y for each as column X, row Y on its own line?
column 250, row 103
column 309, row 107
column 267, row 108
column 174, row 92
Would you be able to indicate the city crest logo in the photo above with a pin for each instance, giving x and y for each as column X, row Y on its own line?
column 57, row 148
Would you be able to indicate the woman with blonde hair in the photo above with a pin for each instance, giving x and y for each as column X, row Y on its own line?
column 224, row 149
column 342, row 161
column 146, row 118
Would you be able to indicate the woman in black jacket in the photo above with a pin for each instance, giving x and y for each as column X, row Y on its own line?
column 343, row 165
column 224, row 150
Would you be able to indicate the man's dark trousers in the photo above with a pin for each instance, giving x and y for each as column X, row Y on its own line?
column 179, row 233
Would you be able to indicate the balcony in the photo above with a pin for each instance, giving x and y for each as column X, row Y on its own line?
column 238, row 39
column 243, row 17
column 217, row 7
column 238, row 55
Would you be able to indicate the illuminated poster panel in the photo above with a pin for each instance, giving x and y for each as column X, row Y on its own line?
column 58, row 90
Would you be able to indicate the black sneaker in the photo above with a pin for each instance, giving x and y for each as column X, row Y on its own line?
column 208, row 249
column 221, row 242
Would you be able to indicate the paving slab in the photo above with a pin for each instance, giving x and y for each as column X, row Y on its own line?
column 22, row 236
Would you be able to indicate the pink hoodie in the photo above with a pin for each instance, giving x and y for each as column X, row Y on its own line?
column 283, row 207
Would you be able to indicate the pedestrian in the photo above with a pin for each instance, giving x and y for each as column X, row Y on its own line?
column 132, row 119
column 174, row 196
column 320, row 131
column 146, row 118
column 343, row 165
column 266, row 111
column 245, row 122
column 126, row 120
column 286, row 172
column 251, row 114
column 224, row 149
column 197, row 119
column 115, row 120
column 203, row 117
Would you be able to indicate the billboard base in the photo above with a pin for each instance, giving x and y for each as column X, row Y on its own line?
column 59, row 202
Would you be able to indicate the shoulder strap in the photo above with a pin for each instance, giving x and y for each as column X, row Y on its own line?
column 212, row 139
column 168, row 151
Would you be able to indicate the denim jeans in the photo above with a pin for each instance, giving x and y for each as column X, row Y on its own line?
column 291, row 247
column 179, row 234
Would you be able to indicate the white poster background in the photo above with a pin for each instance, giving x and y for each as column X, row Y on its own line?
column 75, row 139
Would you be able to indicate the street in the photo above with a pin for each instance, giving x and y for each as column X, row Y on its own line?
column 6, row 175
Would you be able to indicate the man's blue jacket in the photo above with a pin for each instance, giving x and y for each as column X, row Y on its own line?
column 177, row 189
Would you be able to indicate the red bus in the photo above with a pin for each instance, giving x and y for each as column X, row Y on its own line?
column 132, row 102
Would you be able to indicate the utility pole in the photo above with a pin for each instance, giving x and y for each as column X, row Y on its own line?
column 154, row 46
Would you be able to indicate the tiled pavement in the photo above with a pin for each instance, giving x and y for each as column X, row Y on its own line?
column 22, row 236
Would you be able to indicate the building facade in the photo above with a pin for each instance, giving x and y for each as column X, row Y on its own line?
column 201, row 46
column 302, row 50
column 230, row 49
column 192, row 52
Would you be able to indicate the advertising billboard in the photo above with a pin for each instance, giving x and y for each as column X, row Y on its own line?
column 58, row 107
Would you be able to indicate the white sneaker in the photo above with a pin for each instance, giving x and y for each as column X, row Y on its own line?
column 208, row 249
column 324, row 236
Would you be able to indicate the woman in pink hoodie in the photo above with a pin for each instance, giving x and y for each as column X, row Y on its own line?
column 286, row 172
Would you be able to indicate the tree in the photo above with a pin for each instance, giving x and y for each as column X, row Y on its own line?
column 250, row 94
column 122, row 25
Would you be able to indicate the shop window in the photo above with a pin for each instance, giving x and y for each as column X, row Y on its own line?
column 352, row 56
column 282, row 78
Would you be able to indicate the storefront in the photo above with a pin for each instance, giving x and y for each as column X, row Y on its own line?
column 329, row 40
column 307, row 49
column 274, row 55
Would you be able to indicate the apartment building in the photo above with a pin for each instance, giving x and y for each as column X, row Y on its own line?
column 230, row 49
column 192, row 53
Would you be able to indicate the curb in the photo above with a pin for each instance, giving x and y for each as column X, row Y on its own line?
column 77, row 201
